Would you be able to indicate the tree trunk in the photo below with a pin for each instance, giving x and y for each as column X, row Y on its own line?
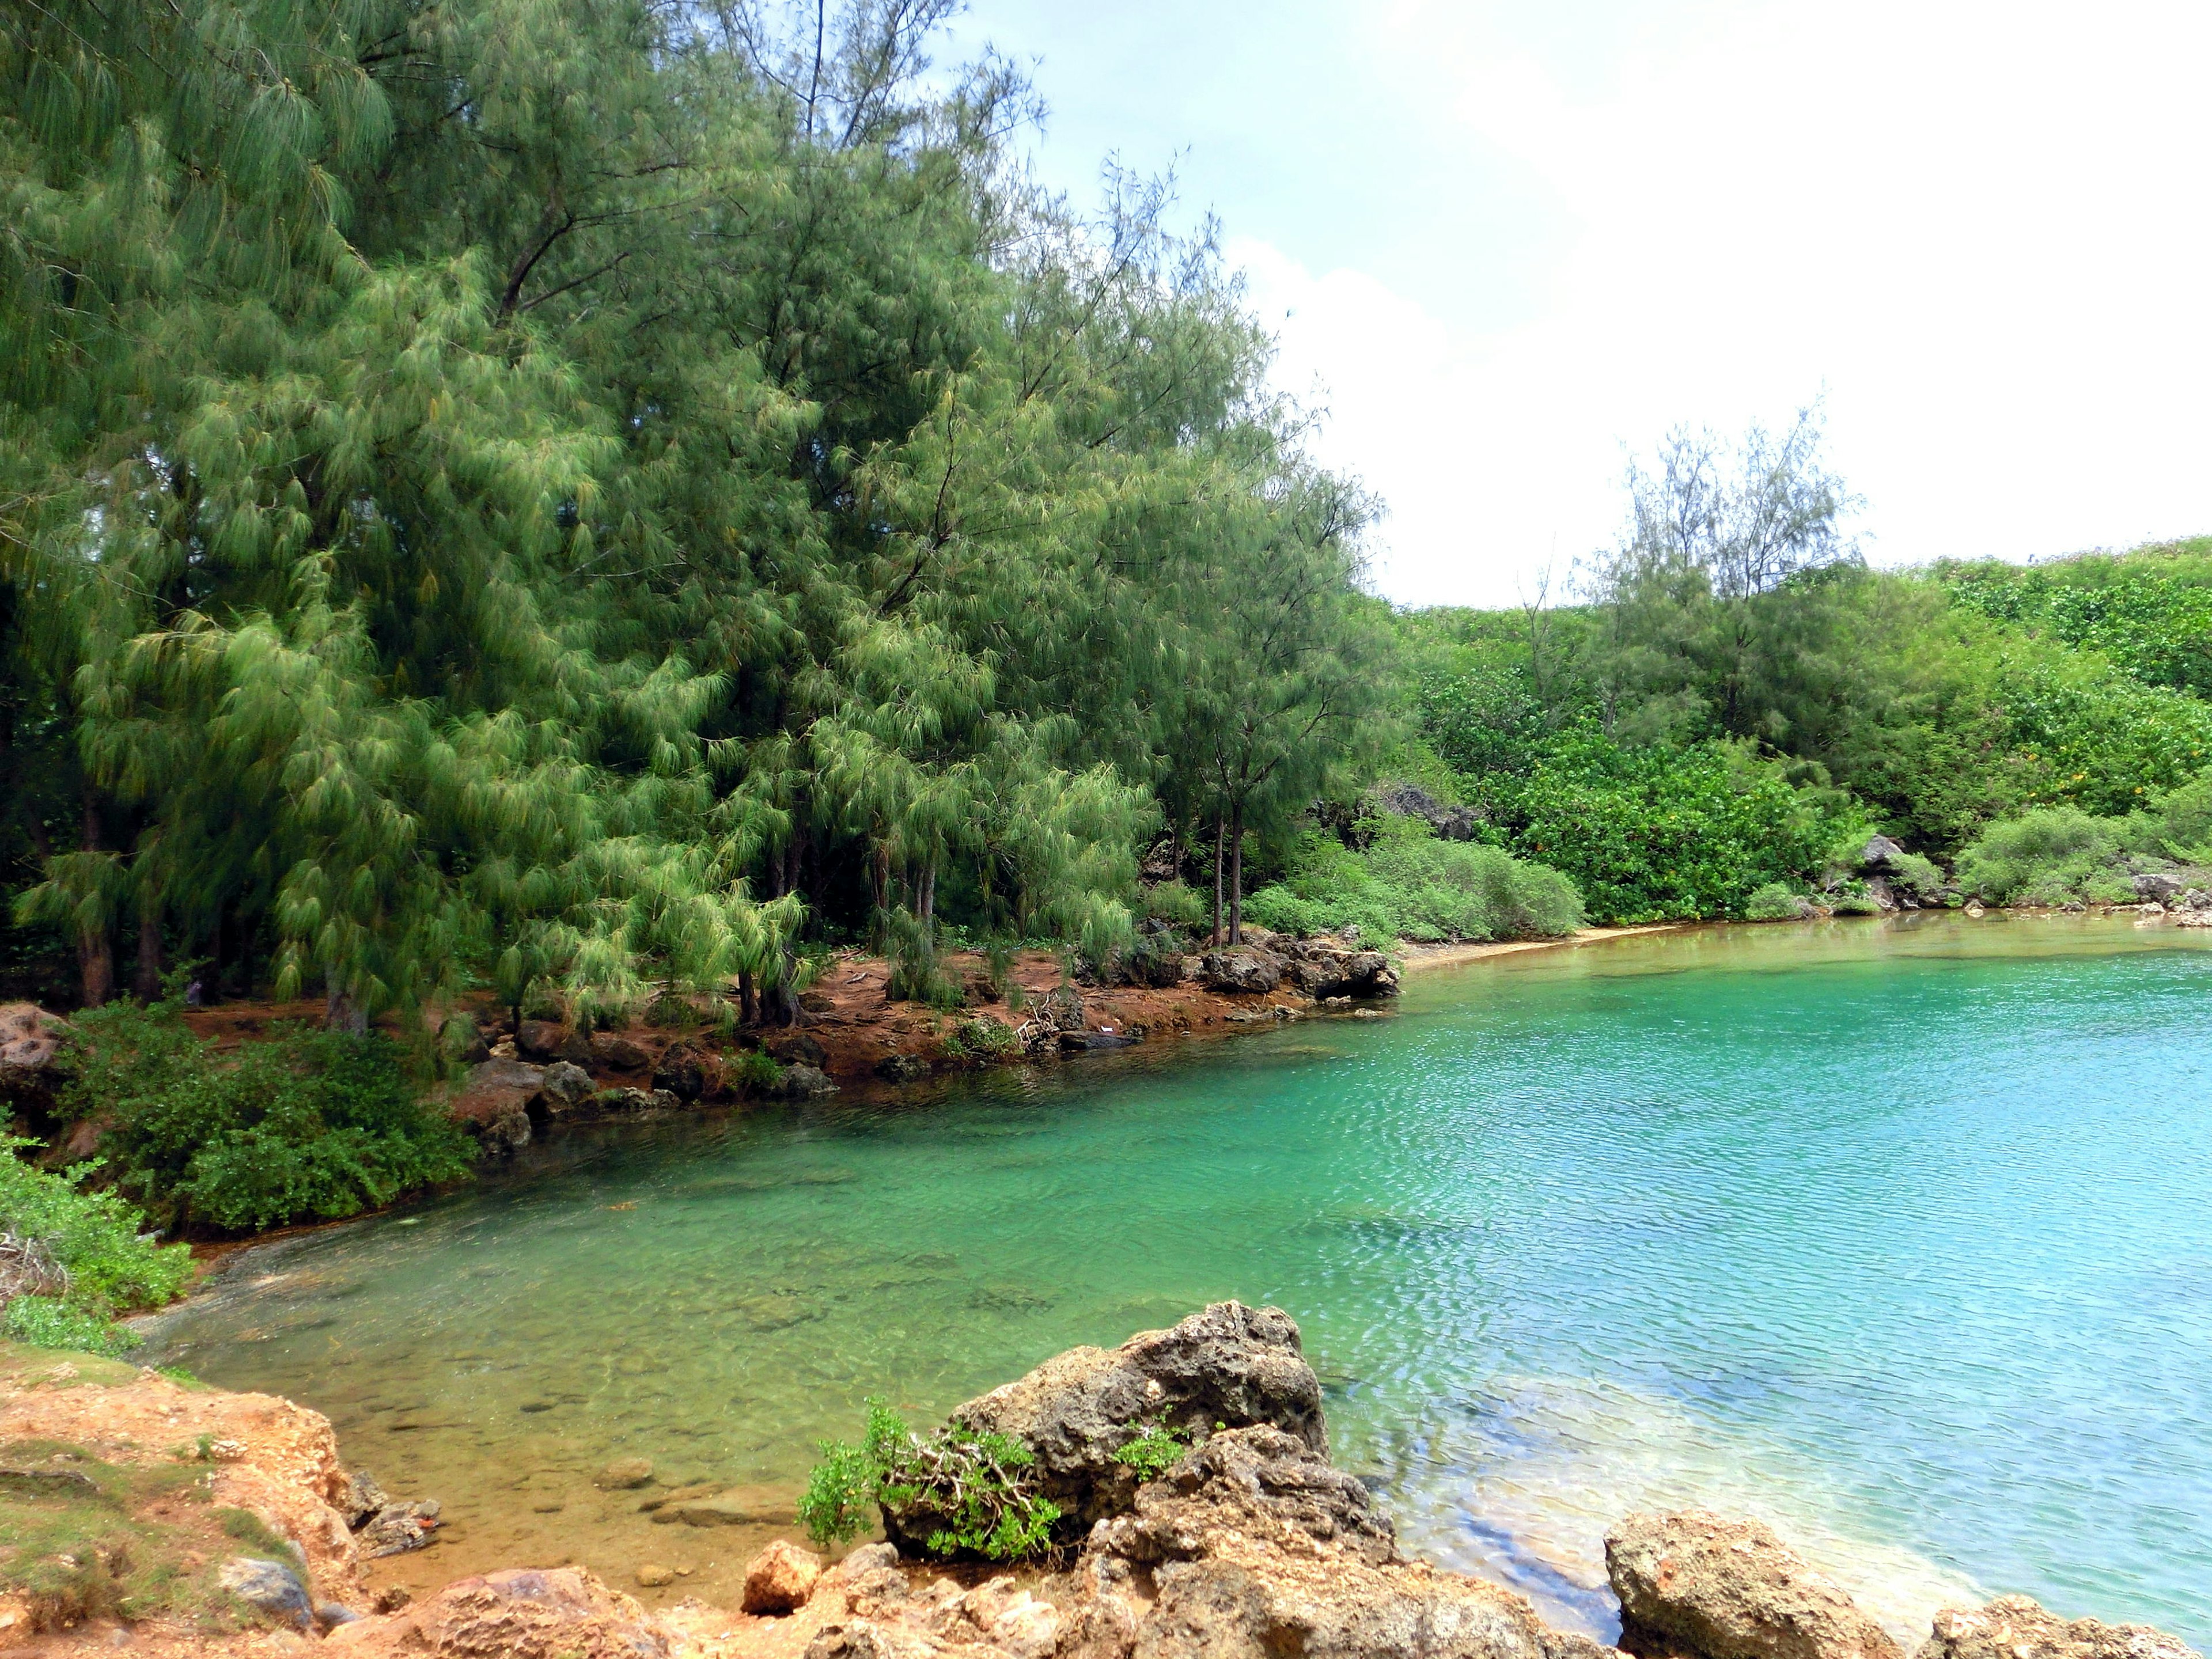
column 1220, row 852
column 748, row 998
column 147, row 983
column 96, row 954
column 926, row 908
column 1236, row 875
column 342, row 1013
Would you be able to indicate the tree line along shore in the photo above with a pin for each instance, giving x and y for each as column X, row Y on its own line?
column 514, row 515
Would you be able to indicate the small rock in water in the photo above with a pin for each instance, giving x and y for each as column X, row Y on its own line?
column 391, row 1598
column 1706, row 1586
column 2015, row 1627
column 780, row 1578
column 653, row 1575
column 625, row 1473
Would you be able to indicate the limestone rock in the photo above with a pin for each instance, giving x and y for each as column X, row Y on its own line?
column 1256, row 1548
column 625, row 1475
column 493, row 1088
column 618, row 1052
column 269, row 1586
column 399, row 1528
column 652, row 1575
column 522, row 1613
column 567, row 1086
column 1703, row 1586
column 540, row 1039
column 2156, row 885
column 2015, row 1627
column 682, row 1071
column 795, row 1049
column 798, row 1082
column 901, row 1068
column 29, row 1035
column 1230, row 1365
column 780, row 1578
column 1880, row 853
column 1241, row 970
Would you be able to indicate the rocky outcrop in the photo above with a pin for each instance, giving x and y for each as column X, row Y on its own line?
column 30, row 1043
column 2015, row 1627
column 1701, row 1586
column 1325, row 969
column 1242, row 970
column 1408, row 800
column 521, row 1613
column 1230, row 1365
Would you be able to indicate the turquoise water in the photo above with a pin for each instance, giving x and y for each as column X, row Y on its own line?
column 1896, row 1234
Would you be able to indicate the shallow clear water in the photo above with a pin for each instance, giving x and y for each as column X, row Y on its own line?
column 1896, row 1234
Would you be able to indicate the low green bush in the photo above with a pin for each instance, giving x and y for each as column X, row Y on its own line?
column 76, row 1259
column 1156, row 1449
column 957, row 1492
column 1410, row 885
column 1175, row 904
column 1776, row 901
column 307, row 1125
column 2044, row 856
column 981, row 1040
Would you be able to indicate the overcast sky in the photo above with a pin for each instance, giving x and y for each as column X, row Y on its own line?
column 1505, row 240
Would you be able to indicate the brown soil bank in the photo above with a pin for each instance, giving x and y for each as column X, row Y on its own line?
column 126, row 1493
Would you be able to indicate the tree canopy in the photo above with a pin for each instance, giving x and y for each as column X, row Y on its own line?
column 532, row 494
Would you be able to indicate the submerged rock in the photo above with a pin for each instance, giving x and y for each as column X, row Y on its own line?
column 1230, row 1365
column 2015, row 1627
column 1698, row 1585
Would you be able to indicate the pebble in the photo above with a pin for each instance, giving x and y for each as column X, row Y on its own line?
column 653, row 1575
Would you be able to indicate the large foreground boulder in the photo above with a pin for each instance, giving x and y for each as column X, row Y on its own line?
column 1240, row 970
column 1698, row 1585
column 1232, row 1365
column 2014, row 1627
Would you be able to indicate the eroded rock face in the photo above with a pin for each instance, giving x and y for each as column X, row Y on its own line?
column 1230, row 1365
column 1241, row 970
column 2015, row 1627
column 1697, row 1585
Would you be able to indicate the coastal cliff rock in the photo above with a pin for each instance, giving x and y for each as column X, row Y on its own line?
column 1230, row 1364
column 1698, row 1585
column 2015, row 1627
column 1241, row 970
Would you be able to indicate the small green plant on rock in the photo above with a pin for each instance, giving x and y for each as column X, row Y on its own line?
column 957, row 1492
column 1156, row 1449
column 981, row 1040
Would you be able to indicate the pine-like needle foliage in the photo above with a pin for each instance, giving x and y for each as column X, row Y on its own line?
column 572, row 495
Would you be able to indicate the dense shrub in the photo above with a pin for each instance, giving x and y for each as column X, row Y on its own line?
column 2046, row 856
column 307, row 1125
column 957, row 1492
column 1653, row 834
column 1410, row 885
column 1777, row 902
column 94, row 1258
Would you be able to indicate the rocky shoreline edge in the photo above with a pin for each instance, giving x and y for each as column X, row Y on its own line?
column 1248, row 1544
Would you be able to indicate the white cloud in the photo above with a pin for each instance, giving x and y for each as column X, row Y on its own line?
column 1981, row 228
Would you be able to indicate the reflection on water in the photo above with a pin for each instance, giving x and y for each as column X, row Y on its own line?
column 1896, row 1236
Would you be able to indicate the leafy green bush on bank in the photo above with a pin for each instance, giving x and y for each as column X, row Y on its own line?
column 308, row 1126
column 73, row 1260
column 1410, row 885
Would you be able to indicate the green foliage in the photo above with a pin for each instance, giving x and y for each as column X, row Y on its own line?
column 1154, row 1450
column 957, row 1492
column 45, row 1322
column 756, row 1072
column 2046, row 856
column 512, row 494
column 1778, row 901
column 1410, row 885
column 1175, row 904
column 1670, row 833
column 98, row 1238
column 2148, row 613
column 310, row 1124
column 981, row 1041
